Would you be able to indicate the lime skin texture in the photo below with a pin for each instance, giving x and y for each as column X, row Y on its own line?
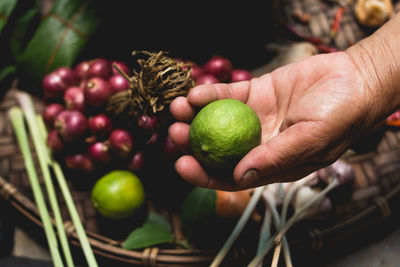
column 118, row 194
column 223, row 132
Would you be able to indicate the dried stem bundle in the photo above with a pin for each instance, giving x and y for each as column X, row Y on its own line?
column 156, row 82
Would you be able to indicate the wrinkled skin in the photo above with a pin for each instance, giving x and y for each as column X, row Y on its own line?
column 311, row 111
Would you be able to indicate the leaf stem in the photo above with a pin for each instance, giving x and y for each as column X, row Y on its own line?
column 275, row 258
column 17, row 120
column 286, row 251
column 289, row 196
column 44, row 160
column 239, row 226
column 298, row 215
column 265, row 231
column 87, row 250
column 260, row 256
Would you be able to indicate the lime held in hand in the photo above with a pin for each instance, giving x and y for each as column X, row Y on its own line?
column 223, row 132
column 118, row 194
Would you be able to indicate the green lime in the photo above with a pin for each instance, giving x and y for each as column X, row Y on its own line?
column 118, row 194
column 223, row 132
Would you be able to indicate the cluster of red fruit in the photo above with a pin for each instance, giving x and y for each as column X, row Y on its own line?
column 218, row 69
column 81, row 131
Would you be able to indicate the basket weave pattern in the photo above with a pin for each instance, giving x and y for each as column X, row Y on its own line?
column 322, row 13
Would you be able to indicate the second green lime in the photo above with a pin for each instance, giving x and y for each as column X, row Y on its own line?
column 223, row 132
column 118, row 194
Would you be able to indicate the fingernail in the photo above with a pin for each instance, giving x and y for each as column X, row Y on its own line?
column 249, row 177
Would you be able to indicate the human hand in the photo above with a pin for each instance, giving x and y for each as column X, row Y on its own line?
column 310, row 111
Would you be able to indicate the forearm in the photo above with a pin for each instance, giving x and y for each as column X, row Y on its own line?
column 377, row 59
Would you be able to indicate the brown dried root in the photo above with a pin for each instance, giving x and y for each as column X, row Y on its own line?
column 157, row 81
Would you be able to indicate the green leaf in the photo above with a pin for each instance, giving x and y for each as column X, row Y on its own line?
column 59, row 39
column 198, row 206
column 21, row 31
column 155, row 230
column 6, row 8
column 6, row 72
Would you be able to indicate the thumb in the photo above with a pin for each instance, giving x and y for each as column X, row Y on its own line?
column 288, row 156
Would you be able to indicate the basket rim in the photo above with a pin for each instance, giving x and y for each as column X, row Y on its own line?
column 154, row 256
column 101, row 244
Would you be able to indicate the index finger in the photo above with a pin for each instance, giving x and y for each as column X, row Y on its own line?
column 203, row 94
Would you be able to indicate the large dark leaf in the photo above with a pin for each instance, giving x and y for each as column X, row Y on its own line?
column 6, row 8
column 21, row 32
column 198, row 207
column 21, row 23
column 155, row 230
column 59, row 39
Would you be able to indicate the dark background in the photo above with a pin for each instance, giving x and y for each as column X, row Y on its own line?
column 189, row 30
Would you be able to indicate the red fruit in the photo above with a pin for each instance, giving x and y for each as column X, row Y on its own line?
column 100, row 125
column 239, row 75
column 71, row 125
column 206, row 79
column 97, row 92
column 82, row 69
column 53, row 86
column 55, row 83
column 170, row 151
column 68, row 76
column 137, row 162
column 219, row 66
column 99, row 152
column 54, row 142
column 50, row 113
column 197, row 71
column 80, row 161
column 74, row 99
column 100, row 67
column 122, row 66
column 148, row 123
column 118, row 83
column 121, row 142
column 148, row 126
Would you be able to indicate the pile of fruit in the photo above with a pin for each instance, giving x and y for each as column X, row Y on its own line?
column 81, row 131
column 217, row 69
column 86, row 137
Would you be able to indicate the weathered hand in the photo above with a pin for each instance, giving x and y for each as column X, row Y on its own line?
column 310, row 111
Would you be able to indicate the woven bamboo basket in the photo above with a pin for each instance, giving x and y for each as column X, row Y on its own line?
column 373, row 199
column 370, row 204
